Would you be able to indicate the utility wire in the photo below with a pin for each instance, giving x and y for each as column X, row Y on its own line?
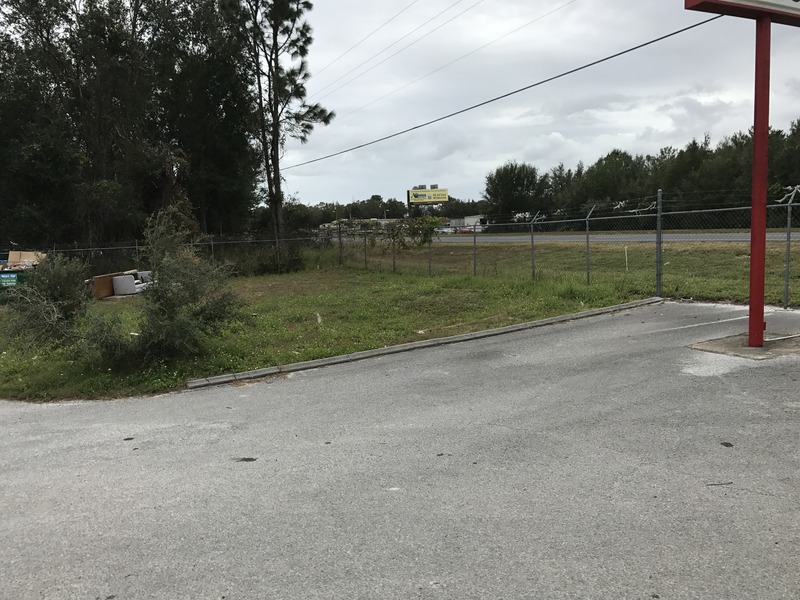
column 346, row 52
column 403, row 49
column 394, row 43
column 517, row 91
column 452, row 62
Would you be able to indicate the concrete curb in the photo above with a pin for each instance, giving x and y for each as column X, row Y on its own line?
column 455, row 339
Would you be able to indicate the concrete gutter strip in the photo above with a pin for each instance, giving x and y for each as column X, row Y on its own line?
column 197, row 383
column 220, row 379
column 314, row 364
column 366, row 354
column 268, row 372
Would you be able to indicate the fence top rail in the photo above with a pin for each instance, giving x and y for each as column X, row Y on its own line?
column 209, row 242
column 486, row 228
column 717, row 210
column 708, row 210
column 617, row 217
column 266, row 241
column 96, row 248
column 564, row 221
column 529, row 223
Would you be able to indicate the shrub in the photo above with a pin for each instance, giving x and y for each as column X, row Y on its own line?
column 104, row 341
column 47, row 307
column 261, row 258
column 167, row 231
column 188, row 301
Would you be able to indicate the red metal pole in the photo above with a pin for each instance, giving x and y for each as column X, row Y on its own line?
column 758, row 226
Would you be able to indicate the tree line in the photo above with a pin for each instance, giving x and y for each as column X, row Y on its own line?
column 301, row 218
column 697, row 176
column 113, row 109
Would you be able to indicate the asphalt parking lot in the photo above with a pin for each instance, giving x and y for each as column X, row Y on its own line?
column 599, row 458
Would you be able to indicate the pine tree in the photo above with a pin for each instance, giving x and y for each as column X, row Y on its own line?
column 280, row 38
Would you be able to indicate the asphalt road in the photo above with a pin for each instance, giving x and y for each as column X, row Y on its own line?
column 600, row 458
column 621, row 237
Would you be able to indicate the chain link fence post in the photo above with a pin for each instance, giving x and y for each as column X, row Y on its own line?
column 365, row 251
column 533, row 263
column 788, row 252
column 341, row 246
column 474, row 250
column 588, row 260
column 659, row 263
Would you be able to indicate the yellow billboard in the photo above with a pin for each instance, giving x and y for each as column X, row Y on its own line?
column 435, row 196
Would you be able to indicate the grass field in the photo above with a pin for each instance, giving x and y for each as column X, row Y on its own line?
column 699, row 270
column 329, row 310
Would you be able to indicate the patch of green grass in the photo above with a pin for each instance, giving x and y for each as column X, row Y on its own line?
column 337, row 310
column 380, row 310
column 309, row 315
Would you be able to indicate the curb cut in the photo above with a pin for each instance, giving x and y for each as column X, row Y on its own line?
column 194, row 384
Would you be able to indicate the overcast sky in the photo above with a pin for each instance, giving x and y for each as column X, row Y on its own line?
column 699, row 82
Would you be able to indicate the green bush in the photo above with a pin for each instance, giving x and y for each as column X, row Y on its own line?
column 167, row 231
column 188, row 301
column 47, row 307
column 262, row 258
column 106, row 342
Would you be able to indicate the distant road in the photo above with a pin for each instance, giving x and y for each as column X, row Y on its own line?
column 628, row 238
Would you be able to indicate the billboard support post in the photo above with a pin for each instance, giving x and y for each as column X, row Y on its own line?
column 758, row 227
column 788, row 253
column 765, row 12
column 659, row 240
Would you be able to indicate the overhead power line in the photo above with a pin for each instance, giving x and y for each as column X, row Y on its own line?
column 391, row 56
column 364, row 39
column 507, row 95
column 394, row 43
column 460, row 58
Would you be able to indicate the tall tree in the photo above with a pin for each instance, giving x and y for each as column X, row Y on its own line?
column 616, row 181
column 516, row 188
column 456, row 207
column 40, row 160
column 110, row 109
column 280, row 38
column 566, row 189
column 208, row 111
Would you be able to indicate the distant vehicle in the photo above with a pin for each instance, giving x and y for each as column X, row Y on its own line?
column 444, row 230
column 470, row 229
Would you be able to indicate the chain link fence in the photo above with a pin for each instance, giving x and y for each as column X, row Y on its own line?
column 661, row 253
